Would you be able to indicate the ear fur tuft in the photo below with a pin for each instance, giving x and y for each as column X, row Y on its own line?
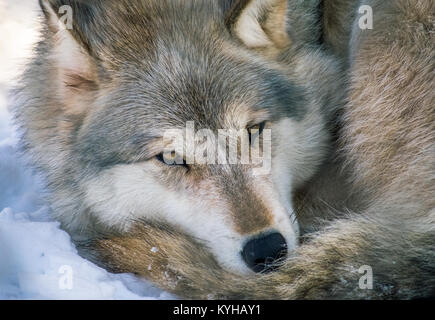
column 75, row 70
column 260, row 23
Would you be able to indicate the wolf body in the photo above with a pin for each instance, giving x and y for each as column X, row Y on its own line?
column 351, row 117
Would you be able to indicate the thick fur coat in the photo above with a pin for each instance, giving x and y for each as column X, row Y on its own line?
column 354, row 151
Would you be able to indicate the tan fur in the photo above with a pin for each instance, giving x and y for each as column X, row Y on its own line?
column 388, row 138
column 370, row 202
column 276, row 25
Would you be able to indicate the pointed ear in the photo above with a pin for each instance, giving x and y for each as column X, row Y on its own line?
column 259, row 23
column 75, row 69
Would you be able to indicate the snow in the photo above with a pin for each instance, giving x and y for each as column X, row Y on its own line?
column 37, row 258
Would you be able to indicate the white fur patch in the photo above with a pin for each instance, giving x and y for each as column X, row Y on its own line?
column 248, row 28
column 122, row 195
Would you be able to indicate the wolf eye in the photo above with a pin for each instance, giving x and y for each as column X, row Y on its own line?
column 255, row 131
column 171, row 159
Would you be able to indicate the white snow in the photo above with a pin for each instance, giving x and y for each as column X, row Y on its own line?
column 37, row 258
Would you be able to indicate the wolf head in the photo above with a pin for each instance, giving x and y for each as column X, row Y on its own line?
column 102, row 95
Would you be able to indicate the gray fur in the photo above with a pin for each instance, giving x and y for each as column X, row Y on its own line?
column 375, row 210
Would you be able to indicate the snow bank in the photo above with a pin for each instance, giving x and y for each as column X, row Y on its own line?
column 38, row 261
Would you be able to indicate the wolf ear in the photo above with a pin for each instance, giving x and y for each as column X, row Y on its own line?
column 75, row 68
column 259, row 23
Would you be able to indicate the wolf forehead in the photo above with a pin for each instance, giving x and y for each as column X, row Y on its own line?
column 152, row 100
column 178, row 53
column 173, row 62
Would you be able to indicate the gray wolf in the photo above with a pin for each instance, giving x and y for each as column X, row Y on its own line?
column 351, row 119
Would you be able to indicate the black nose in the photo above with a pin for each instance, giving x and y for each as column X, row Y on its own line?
column 261, row 253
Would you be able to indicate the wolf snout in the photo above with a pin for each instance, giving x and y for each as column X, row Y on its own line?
column 262, row 252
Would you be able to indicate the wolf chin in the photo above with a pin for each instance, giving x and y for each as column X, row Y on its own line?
column 352, row 126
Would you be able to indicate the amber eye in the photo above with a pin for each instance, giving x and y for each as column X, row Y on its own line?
column 255, row 131
column 172, row 159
